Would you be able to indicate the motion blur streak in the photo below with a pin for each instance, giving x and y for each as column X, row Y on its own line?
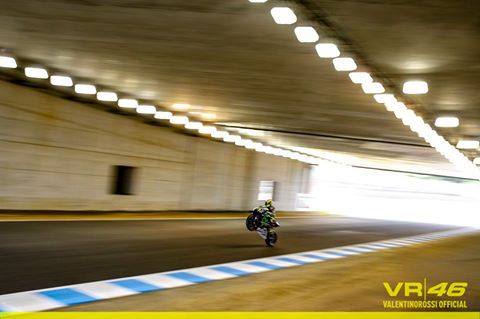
column 395, row 196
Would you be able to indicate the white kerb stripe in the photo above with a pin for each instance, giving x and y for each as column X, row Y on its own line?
column 360, row 249
column 246, row 267
column 276, row 262
column 325, row 255
column 103, row 290
column 301, row 258
column 343, row 252
column 26, row 302
column 163, row 281
column 210, row 273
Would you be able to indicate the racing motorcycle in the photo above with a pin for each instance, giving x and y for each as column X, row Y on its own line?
column 264, row 224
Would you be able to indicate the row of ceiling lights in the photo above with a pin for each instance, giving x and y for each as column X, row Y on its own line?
column 62, row 80
column 307, row 34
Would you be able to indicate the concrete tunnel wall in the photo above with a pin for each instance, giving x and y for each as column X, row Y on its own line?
column 58, row 154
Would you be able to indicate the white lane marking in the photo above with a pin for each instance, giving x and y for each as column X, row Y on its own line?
column 103, row 290
column 26, row 302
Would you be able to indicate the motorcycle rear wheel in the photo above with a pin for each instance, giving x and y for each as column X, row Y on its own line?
column 272, row 238
column 250, row 223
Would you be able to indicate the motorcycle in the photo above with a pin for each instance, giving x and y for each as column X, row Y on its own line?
column 264, row 225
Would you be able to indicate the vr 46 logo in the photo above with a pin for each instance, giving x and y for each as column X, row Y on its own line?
column 454, row 289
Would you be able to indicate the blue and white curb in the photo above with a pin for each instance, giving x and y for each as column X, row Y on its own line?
column 52, row 298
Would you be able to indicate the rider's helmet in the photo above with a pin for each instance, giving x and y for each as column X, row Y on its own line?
column 268, row 203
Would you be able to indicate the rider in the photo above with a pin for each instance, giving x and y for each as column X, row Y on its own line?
column 264, row 211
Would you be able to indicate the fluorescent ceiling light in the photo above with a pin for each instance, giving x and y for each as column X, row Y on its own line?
column 181, row 106
column 209, row 116
column 60, row 80
column 128, row 103
column 107, row 96
column 327, row 50
column 163, row 115
column 415, row 87
column 306, row 34
column 373, row 88
column 344, row 64
column 207, row 129
column 447, row 121
column 283, row 15
column 250, row 146
column 468, row 144
column 385, row 98
column 232, row 138
column 241, row 142
column 193, row 125
column 407, row 117
column 85, row 89
column 179, row 120
column 146, row 109
column 219, row 134
column 360, row 77
column 7, row 62
column 37, row 73
column 257, row 1
column 268, row 150
column 394, row 106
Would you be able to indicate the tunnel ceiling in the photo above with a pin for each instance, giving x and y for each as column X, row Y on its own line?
column 230, row 58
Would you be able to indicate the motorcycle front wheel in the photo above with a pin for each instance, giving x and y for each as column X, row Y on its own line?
column 271, row 238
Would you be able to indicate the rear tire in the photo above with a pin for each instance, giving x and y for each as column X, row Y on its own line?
column 250, row 222
column 272, row 238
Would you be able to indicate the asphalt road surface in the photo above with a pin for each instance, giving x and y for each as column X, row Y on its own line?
column 36, row 255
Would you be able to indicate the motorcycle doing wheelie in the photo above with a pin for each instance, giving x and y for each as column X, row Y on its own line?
column 264, row 223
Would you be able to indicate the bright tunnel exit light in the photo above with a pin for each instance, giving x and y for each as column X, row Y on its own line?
column 373, row 88
column 415, row 87
column 283, row 15
column 7, row 62
column 36, row 73
column 344, row 64
column 476, row 161
column 61, row 80
column 360, row 77
column 447, row 121
column 327, row 50
column 468, row 144
column 306, row 34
